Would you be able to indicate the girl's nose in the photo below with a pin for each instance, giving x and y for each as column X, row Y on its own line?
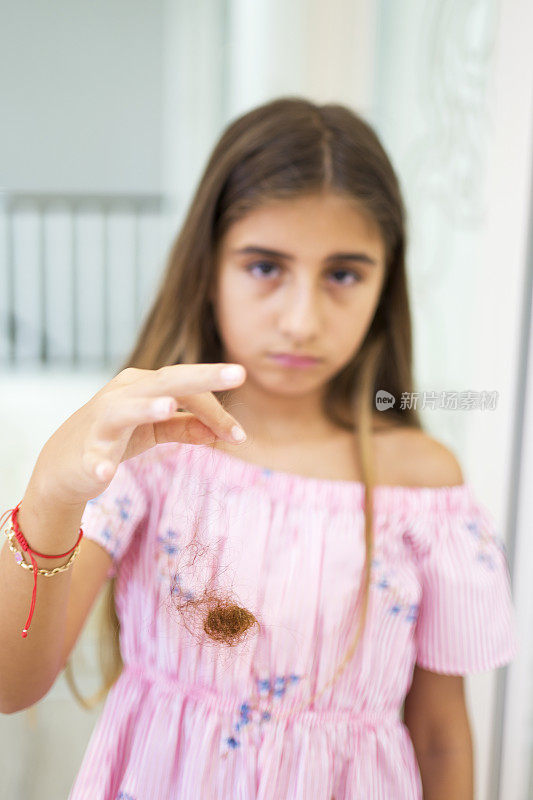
column 300, row 318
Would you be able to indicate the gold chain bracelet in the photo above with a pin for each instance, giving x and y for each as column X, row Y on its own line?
column 19, row 558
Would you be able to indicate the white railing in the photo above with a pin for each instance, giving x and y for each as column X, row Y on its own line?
column 76, row 273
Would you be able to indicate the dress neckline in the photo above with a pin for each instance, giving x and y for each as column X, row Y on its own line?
column 291, row 487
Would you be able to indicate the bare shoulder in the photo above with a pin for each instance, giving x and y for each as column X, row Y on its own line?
column 423, row 460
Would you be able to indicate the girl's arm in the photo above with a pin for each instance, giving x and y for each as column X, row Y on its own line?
column 436, row 715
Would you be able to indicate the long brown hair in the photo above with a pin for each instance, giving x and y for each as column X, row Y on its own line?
column 285, row 148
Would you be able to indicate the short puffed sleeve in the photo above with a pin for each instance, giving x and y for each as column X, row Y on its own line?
column 466, row 621
column 113, row 517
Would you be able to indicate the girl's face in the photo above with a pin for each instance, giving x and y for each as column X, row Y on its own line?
column 302, row 277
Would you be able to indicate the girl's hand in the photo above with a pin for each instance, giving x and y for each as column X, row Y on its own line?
column 121, row 420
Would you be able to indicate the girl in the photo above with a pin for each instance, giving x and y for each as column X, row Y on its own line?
column 297, row 610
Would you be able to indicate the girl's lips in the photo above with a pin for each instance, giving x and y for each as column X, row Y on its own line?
column 294, row 361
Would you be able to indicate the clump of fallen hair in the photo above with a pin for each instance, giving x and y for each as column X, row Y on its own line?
column 212, row 611
column 217, row 614
column 227, row 622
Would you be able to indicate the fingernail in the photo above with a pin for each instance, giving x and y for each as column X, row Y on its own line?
column 238, row 434
column 231, row 374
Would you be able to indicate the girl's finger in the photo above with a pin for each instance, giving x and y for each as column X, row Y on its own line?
column 207, row 408
column 192, row 386
column 182, row 427
column 121, row 414
column 179, row 380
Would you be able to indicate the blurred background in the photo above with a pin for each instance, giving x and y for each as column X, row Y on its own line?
column 109, row 111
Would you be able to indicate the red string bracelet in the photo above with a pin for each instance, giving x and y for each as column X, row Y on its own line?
column 17, row 533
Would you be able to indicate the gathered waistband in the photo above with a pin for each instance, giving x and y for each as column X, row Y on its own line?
column 279, row 707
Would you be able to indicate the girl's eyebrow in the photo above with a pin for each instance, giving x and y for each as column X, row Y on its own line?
column 265, row 251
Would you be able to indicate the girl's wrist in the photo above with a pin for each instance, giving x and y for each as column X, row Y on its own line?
column 49, row 526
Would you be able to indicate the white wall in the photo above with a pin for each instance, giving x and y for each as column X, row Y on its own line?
column 324, row 51
column 195, row 65
column 81, row 95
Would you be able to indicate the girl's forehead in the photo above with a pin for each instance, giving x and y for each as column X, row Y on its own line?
column 281, row 224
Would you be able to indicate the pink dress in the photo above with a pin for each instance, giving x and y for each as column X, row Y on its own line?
column 190, row 719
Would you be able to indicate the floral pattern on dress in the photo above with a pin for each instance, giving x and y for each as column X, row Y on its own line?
column 109, row 533
column 486, row 542
column 168, row 549
column 400, row 604
column 259, row 710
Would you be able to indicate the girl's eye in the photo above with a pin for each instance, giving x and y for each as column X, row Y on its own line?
column 260, row 264
column 355, row 277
